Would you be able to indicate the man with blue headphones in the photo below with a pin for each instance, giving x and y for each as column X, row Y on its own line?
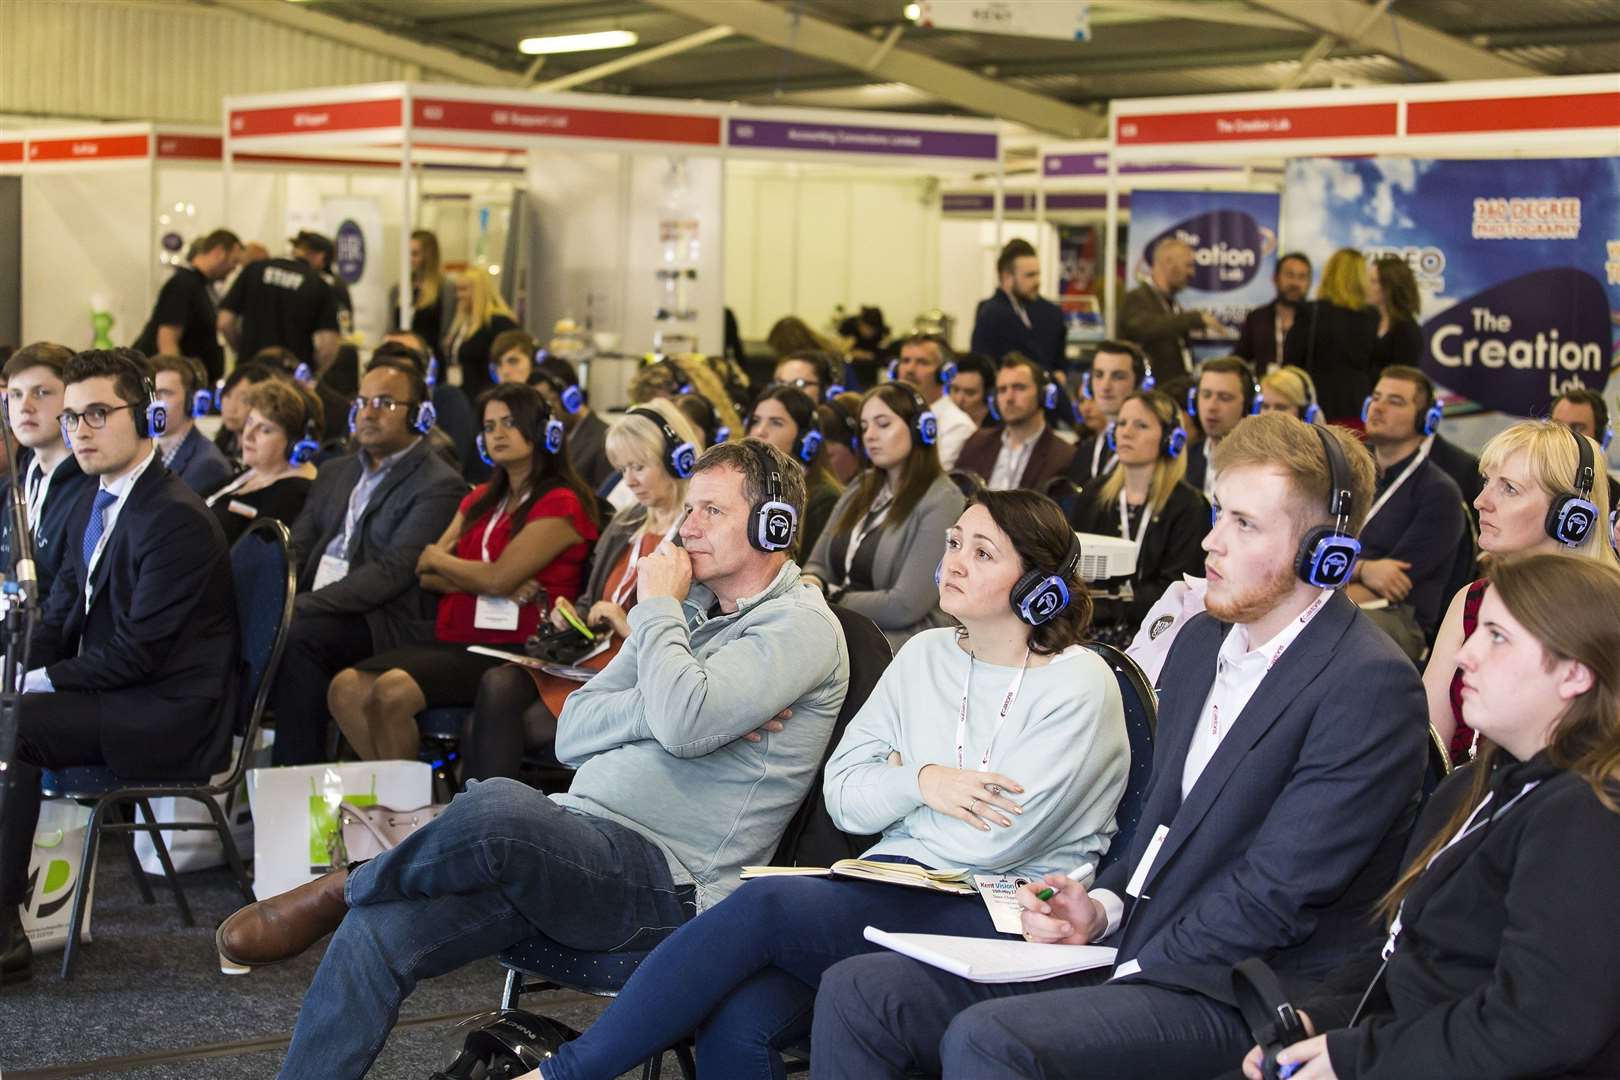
column 927, row 363
column 1415, row 527
column 178, row 381
column 1225, row 392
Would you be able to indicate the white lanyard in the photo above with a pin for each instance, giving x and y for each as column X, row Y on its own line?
column 1125, row 520
column 1018, row 309
column 1006, row 707
column 38, row 488
column 874, row 517
column 1406, row 474
column 628, row 582
column 1462, row 834
column 229, row 488
column 494, row 520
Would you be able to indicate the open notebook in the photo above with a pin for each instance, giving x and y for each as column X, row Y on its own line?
column 994, row 960
column 918, row 877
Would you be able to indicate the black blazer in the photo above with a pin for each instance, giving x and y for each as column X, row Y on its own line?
column 159, row 641
column 68, row 488
column 1257, row 341
column 1172, row 546
column 997, row 331
column 1335, row 345
column 1507, row 937
column 1296, row 825
column 408, row 511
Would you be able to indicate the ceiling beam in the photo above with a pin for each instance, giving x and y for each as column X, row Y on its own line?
column 1325, row 43
column 1405, row 39
column 361, row 36
column 1219, row 11
column 829, row 42
column 645, row 56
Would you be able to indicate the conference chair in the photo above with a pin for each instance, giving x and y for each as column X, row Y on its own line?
column 1141, row 728
column 264, row 579
column 1438, row 763
column 967, row 482
column 540, row 963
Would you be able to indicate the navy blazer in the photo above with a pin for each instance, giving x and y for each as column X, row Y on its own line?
column 159, row 642
column 200, row 463
column 1296, row 825
column 69, row 487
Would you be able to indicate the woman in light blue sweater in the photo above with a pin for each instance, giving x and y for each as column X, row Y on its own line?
column 998, row 746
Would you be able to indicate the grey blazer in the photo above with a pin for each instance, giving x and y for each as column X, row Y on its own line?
column 903, row 599
column 409, row 510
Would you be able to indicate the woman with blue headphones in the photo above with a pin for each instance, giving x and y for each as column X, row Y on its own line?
column 1144, row 498
column 533, row 521
column 280, row 439
column 995, row 743
column 788, row 419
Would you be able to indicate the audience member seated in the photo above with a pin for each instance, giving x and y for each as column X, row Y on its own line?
column 356, row 545
column 517, row 707
column 1289, row 389
column 927, row 364
column 785, row 417
column 840, row 417
column 887, row 533
column 185, row 451
column 1527, row 468
column 280, row 439
column 334, row 405
column 1118, row 369
column 705, row 418
column 1585, row 412
column 670, row 800
column 534, row 521
column 1416, row 522
column 1226, row 393
column 559, row 384
column 1145, row 500
column 811, row 370
column 455, row 426
column 513, row 353
column 673, row 376
column 1023, row 450
column 53, row 483
column 134, row 657
column 232, row 405
column 1502, row 942
column 973, row 389
column 1029, row 799
column 1275, row 817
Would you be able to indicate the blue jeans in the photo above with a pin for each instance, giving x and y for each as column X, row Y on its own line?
column 502, row 864
column 890, row 1016
column 743, row 974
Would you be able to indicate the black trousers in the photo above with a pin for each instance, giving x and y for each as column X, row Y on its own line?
column 318, row 647
column 54, row 731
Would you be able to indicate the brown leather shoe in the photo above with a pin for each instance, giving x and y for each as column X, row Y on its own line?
column 281, row 927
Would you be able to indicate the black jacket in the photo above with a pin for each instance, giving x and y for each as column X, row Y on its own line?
column 1506, row 961
column 997, row 331
column 68, row 488
column 1422, row 523
column 1402, row 344
column 1335, row 345
column 160, row 636
column 1172, row 546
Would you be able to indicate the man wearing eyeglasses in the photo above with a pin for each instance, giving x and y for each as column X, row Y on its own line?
column 367, row 519
column 132, row 661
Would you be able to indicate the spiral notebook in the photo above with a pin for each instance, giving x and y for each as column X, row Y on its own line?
column 994, row 960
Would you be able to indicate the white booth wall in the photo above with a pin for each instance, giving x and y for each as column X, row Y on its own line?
column 967, row 262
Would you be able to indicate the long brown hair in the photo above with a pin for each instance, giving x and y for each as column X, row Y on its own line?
column 1041, row 536
column 1400, row 288
column 1572, row 607
column 921, row 470
column 547, row 471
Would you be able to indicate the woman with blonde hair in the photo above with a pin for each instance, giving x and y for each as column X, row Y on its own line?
column 481, row 316
column 670, row 377
column 1527, row 469
column 433, row 293
column 1291, row 390
column 1334, row 336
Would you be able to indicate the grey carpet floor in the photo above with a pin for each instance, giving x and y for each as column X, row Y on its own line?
column 148, row 985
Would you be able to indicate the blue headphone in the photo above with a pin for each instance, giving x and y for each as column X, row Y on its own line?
column 944, row 376
column 423, row 416
column 571, row 397
column 1145, row 381
column 1428, row 421
column 680, row 457
column 1251, row 391
column 1571, row 517
column 1172, row 440
column 306, row 447
column 924, row 426
column 1039, row 596
column 549, row 433
column 1327, row 554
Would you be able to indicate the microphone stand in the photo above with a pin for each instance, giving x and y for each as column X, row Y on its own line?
column 20, row 599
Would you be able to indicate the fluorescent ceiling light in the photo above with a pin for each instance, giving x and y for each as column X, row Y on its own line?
column 912, row 12
column 567, row 43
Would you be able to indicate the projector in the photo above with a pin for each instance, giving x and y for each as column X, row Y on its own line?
column 1103, row 557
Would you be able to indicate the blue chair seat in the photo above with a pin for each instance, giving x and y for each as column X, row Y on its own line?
column 447, row 723
column 93, row 781
column 593, row 972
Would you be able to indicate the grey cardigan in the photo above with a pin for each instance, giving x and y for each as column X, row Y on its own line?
column 903, row 599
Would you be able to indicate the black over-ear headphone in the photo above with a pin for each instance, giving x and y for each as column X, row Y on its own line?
column 772, row 522
column 569, row 394
column 1252, row 398
column 1172, row 436
column 1327, row 553
column 548, row 432
column 1571, row 517
column 680, row 456
column 151, row 415
column 1042, row 595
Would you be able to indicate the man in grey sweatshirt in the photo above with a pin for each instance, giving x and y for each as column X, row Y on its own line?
column 694, row 748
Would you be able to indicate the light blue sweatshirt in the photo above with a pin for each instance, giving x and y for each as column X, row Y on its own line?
column 1064, row 741
column 657, row 734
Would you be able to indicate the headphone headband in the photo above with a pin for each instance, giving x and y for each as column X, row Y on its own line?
column 680, row 457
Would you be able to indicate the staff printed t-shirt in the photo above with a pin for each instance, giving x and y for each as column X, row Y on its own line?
column 563, row 576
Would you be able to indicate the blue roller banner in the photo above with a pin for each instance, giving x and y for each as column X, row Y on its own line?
column 1518, row 263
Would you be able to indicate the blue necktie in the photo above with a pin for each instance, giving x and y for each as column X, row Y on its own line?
column 97, row 526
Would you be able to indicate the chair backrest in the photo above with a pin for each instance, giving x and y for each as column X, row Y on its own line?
column 1438, row 764
column 969, row 483
column 1141, row 728
column 265, row 581
column 811, row 838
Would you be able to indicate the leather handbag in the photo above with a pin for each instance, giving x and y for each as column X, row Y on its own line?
column 364, row 832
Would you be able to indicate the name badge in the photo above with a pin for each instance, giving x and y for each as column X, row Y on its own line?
column 1138, row 879
column 496, row 613
column 331, row 569
column 242, row 508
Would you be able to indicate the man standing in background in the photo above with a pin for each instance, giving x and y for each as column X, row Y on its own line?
column 1260, row 342
column 183, row 321
column 1151, row 317
column 1015, row 318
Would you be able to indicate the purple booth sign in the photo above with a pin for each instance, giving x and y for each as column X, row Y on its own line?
column 856, row 139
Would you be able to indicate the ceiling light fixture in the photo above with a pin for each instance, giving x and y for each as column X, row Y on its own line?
column 912, row 12
column 567, row 43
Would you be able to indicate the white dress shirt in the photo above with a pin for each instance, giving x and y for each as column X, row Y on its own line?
column 1209, row 469
column 1012, row 459
column 955, row 427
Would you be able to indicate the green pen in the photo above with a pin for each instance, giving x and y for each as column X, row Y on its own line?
column 1074, row 875
column 573, row 620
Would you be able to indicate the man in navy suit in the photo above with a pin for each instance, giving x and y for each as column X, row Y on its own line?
column 133, row 660
column 186, row 451
column 1289, row 752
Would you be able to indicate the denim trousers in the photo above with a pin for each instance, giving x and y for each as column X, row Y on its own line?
column 502, row 864
column 742, row 975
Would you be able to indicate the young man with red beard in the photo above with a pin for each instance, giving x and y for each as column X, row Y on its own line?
column 1287, row 763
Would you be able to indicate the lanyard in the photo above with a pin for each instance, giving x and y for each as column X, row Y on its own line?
column 1462, row 834
column 1018, row 309
column 1299, row 624
column 494, row 520
column 39, row 486
column 1125, row 520
column 229, row 488
column 1406, row 474
column 628, row 582
column 1006, row 707
column 873, row 518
